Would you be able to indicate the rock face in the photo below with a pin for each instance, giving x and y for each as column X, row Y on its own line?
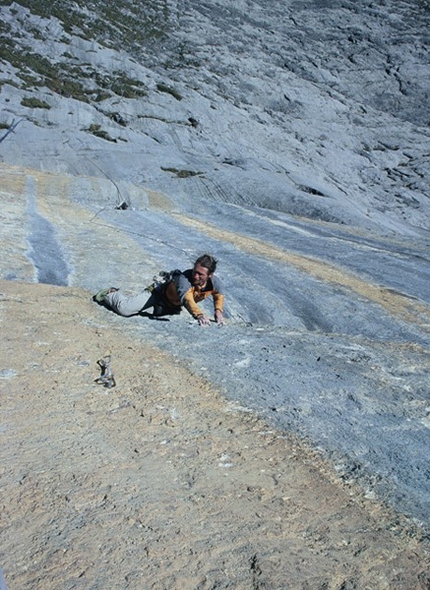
column 290, row 140
column 160, row 482
column 315, row 109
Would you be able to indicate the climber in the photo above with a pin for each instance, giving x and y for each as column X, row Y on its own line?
column 181, row 289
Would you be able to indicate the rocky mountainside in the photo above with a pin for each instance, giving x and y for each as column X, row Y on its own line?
column 310, row 108
column 289, row 138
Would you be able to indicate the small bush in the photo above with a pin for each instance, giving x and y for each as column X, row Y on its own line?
column 182, row 173
column 169, row 90
column 98, row 132
column 35, row 103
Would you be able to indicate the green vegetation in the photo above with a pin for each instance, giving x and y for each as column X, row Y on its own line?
column 169, row 90
column 181, row 173
column 99, row 132
column 127, row 87
column 73, row 81
column 123, row 23
column 35, row 103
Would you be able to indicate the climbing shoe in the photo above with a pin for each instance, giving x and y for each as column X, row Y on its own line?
column 100, row 296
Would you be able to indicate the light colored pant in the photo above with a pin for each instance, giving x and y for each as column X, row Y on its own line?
column 127, row 305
